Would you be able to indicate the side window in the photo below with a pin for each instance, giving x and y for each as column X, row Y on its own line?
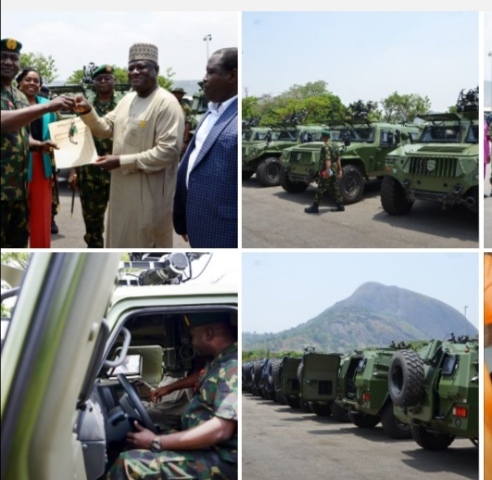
column 386, row 138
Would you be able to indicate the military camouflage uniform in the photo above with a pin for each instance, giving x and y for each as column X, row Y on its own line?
column 93, row 183
column 329, row 184
column 215, row 396
column 489, row 134
column 15, row 152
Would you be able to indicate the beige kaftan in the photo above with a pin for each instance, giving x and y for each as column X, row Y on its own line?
column 147, row 136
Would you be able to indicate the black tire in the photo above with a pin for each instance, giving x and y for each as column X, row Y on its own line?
column 306, row 406
column 406, row 382
column 290, row 186
column 430, row 440
column 351, row 184
column 321, row 409
column 392, row 426
column 363, row 420
column 268, row 172
column 339, row 413
column 293, row 402
column 247, row 174
column 300, row 373
column 393, row 197
column 276, row 372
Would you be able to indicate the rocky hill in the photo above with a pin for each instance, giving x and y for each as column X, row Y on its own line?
column 374, row 315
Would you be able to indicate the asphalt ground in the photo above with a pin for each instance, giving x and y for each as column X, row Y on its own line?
column 273, row 218
column 71, row 225
column 280, row 443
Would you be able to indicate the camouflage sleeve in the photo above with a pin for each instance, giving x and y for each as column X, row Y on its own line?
column 226, row 399
column 489, row 134
column 334, row 152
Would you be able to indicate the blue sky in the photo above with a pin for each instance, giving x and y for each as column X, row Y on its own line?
column 487, row 45
column 282, row 290
column 74, row 39
column 362, row 55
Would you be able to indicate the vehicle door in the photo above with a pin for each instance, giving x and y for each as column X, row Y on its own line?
column 320, row 377
column 55, row 327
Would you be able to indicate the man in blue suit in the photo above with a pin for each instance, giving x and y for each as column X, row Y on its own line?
column 205, row 203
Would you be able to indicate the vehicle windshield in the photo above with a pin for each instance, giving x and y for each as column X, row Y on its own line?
column 259, row 136
column 472, row 134
column 247, row 135
column 287, row 135
column 441, row 134
column 307, row 136
column 356, row 134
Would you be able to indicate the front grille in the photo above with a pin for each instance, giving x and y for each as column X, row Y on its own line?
column 434, row 166
column 300, row 158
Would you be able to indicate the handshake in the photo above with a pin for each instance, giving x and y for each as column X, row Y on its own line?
column 65, row 103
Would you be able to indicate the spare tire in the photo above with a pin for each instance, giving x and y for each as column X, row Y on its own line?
column 406, row 382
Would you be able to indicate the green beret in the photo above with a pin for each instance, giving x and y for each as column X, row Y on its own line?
column 107, row 69
column 206, row 318
column 178, row 90
column 10, row 45
column 325, row 131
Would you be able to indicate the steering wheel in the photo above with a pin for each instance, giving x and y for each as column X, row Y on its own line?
column 133, row 406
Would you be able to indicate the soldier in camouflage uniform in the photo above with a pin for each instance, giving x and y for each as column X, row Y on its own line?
column 16, row 141
column 195, row 452
column 330, row 171
column 179, row 93
column 93, row 182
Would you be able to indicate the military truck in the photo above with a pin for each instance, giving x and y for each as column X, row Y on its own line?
column 435, row 391
column 65, row 409
column 263, row 158
column 364, row 389
column 318, row 381
column 363, row 147
column 250, row 137
column 287, row 388
column 441, row 166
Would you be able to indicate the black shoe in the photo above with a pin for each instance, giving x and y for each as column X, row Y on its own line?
column 339, row 208
column 312, row 209
column 54, row 227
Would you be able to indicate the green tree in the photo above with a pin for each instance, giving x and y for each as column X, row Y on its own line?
column 45, row 65
column 121, row 74
column 404, row 108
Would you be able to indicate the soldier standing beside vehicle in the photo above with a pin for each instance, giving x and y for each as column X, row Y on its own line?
column 179, row 93
column 93, row 182
column 330, row 172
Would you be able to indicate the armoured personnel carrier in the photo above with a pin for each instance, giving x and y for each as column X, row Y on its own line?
column 364, row 146
column 441, row 166
column 435, row 391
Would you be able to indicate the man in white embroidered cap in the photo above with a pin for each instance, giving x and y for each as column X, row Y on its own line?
column 147, row 127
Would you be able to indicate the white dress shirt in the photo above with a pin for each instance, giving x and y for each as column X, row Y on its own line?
column 215, row 110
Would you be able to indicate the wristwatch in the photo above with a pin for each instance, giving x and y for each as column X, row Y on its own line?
column 155, row 446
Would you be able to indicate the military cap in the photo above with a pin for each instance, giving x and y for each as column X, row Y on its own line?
column 107, row 69
column 144, row 51
column 207, row 318
column 325, row 131
column 178, row 90
column 10, row 45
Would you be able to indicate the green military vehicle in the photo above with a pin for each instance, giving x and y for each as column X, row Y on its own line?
column 318, row 381
column 435, row 391
column 263, row 158
column 250, row 137
column 286, row 382
column 441, row 166
column 363, row 146
column 82, row 350
column 364, row 389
